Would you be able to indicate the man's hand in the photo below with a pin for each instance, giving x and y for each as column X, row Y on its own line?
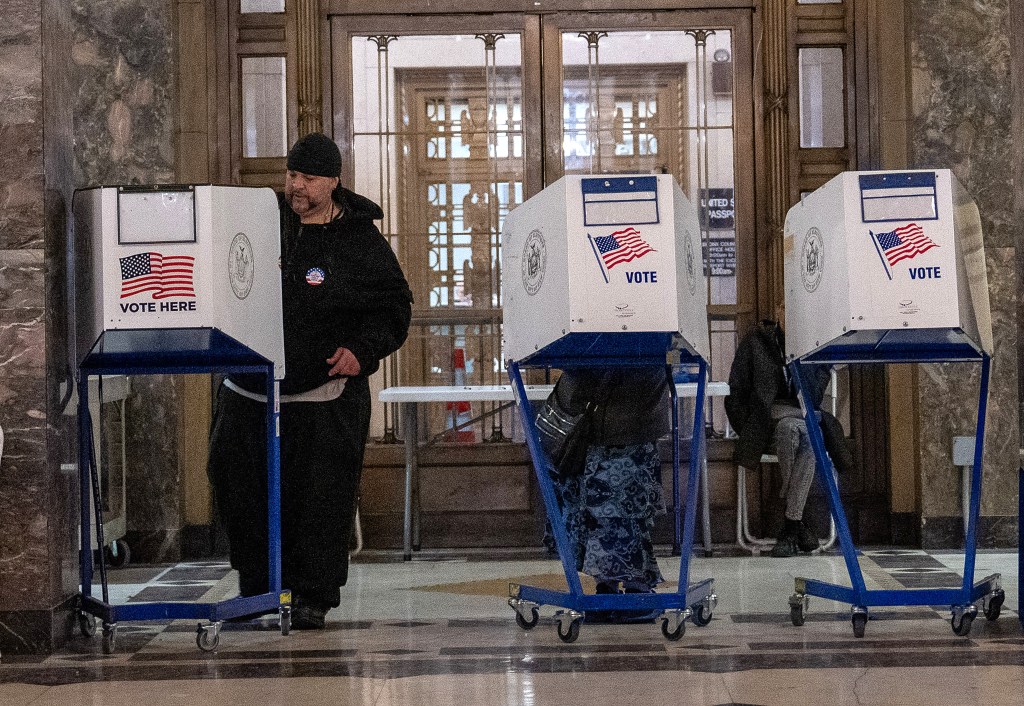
column 343, row 362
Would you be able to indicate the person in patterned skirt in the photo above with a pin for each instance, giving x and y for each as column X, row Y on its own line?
column 611, row 500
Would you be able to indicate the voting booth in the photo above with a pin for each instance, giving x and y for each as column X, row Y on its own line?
column 886, row 261
column 589, row 256
column 169, row 280
column 889, row 267
column 180, row 257
column 606, row 271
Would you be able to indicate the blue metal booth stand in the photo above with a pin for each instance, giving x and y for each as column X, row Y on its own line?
column 603, row 350
column 168, row 352
column 920, row 346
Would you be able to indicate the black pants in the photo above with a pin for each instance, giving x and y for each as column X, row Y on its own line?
column 322, row 447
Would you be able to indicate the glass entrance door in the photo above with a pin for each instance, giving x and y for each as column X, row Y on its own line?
column 450, row 125
column 669, row 93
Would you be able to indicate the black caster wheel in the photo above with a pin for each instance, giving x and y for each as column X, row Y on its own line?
column 994, row 605
column 701, row 614
column 207, row 638
column 86, row 625
column 571, row 633
column 109, row 638
column 797, row 614
column 117, row 554
column 676, row 634
column 961, row 623
column 286, row 619
column 860, row 621
column 529, row 624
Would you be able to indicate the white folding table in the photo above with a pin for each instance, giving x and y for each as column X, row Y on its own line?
column 410, row 397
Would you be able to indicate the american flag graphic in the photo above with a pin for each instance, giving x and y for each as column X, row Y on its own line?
column 904, row 243
column 621, row 246
column 164, row 276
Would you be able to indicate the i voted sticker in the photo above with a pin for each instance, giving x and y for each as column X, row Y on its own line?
column 314, row 276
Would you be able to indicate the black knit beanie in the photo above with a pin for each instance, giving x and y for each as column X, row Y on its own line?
column 315, row 154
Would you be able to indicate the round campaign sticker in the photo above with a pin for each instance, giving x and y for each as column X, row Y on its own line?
column 314, row 276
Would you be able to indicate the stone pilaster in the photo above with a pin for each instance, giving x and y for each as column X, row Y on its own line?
column 960, row 55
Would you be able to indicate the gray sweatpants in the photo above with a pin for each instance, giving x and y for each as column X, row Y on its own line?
column 796, row 464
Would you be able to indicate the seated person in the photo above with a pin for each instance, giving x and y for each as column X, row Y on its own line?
column 763, row 408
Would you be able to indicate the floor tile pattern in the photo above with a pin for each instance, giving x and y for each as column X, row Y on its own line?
column 439, row 631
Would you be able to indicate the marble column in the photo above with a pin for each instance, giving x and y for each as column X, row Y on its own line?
column 960, row 54
column 37, row 488
column 88, row 96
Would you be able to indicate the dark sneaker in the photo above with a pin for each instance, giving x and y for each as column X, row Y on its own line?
column 638, row 616
column 621, row 617
column 806, row 539
column 785, row 546
column 308, row 616
column 599, row 616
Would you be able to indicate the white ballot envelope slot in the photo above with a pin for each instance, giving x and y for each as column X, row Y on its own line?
column 603, row 254
column 886, row 259
column 164, row 257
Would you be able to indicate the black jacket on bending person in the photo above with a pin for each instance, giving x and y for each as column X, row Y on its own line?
column 361, row 302
column 758, row 380
column 631, row 403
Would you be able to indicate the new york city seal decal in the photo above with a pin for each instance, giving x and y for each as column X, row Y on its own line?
column 241, row 266
column 534, row 262
column 812, row 259
column 691, row 263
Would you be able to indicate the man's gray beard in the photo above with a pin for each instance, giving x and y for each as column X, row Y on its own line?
column 310, row 206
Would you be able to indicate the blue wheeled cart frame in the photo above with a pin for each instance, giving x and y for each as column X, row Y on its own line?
column 169, row 352
column 961, row 600
column 694, row 601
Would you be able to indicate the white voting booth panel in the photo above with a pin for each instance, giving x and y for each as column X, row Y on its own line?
column 893, row 255
column 180, row 257
column 603, row 254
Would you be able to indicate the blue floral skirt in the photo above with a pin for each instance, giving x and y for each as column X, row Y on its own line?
column 609, row 513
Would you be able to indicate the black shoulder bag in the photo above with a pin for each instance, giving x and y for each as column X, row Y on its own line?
column 564, row 437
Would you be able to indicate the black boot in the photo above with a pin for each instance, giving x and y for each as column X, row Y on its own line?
column 308, row 614
column 786, row 544
column 806, row 539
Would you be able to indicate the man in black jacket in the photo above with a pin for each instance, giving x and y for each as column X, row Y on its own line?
column 763, row 408
column 346, row 306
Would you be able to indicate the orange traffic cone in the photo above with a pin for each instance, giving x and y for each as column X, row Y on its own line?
column 460, row 413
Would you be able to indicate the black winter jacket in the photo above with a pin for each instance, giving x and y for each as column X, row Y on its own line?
column 756, row 381
column 341, row 286
column 632, row 403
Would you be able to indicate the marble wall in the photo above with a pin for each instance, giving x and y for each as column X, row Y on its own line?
column 961, row 112
column 124, row 62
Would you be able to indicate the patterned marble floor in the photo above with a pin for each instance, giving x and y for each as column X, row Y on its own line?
column 437, row 630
